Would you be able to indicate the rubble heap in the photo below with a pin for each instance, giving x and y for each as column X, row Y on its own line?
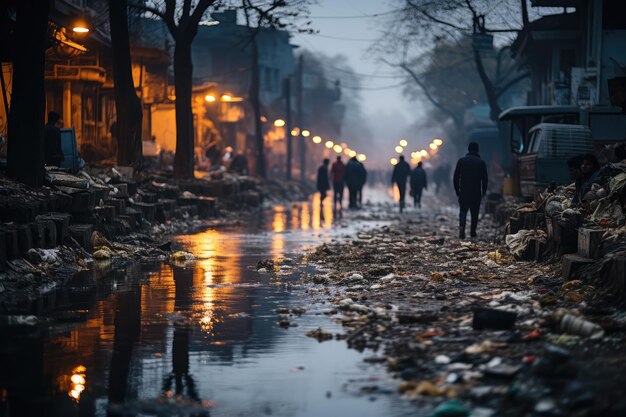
column 588, row 239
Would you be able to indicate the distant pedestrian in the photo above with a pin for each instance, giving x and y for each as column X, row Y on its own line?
column 354, row 180
column 359, row 195
column 337, row 171
column 470, row 184
column 52, row 139
column 418, row 183
column 401, row 172
column 323, row 184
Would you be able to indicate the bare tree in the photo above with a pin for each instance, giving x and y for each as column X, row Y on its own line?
column 182, row 20
column 429, row 21
column 127, row 104
column 25, row 148
column 259, row 15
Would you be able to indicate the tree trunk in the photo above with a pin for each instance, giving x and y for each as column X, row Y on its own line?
column 256, row 106
column 25, row 153
column 490, row 89
column 183, row 69
column 127, row 104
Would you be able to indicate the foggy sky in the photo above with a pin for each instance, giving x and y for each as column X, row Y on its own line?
column 388, row 113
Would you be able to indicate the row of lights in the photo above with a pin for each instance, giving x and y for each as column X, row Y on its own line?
column 225, row 97
column 417, row 156
column 329, row 144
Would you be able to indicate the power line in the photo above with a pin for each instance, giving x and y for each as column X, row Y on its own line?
column 363, row 16
column 340, row 38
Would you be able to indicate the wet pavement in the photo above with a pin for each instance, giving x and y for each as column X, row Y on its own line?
column 197, row 339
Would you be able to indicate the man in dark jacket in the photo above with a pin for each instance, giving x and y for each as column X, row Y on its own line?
column 323, row 184
column 359, row 193
column 354, row 179
column 52, row 139
column 401, row 172
column 336, row 176
column 470, row 184
column 418, row 183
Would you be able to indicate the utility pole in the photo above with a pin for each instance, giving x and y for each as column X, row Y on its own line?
column 287, row 92
column 302, row 139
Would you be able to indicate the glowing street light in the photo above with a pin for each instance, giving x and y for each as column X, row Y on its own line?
column 306, row 133
column 347, row 151
column 393, row 161
column 295, row 131
column 209, row 98
column 438, row 142
column 337, row 148
column 227, row 97
column 423, row 152
column 279, row 123
column 352, row 154
column 432, row 146
column 399, row 149
column 403, row 143
column 329, row 144
column 317, row 139
column 80, row 27
column 361, row 157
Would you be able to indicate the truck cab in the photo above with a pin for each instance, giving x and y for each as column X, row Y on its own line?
column 549, row 147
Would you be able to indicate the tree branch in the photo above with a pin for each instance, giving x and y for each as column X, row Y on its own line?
column 433, row 18
column 437, row 104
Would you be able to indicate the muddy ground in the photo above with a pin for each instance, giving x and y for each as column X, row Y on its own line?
column 409, row 292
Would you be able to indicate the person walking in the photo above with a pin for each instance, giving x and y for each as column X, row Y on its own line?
column 353, row 178
column 337, row 171
column 323, row 184
column 470, row 184
column 363, row 178
column 418, row 183
column 52, row 139
column 401, row 172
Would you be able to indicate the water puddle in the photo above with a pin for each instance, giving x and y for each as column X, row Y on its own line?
column 203, row 339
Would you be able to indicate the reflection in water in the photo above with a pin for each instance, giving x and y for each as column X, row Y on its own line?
column 159, row 336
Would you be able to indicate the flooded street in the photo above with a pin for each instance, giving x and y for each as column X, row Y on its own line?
column 198, row 339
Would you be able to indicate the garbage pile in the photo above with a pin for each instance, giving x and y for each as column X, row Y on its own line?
column 464, row 327
column 588, row 238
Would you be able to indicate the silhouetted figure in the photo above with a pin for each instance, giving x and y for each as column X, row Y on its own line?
column 573, row 166
column 239, row 164
column 323, row 184
column 52, row 139
column 589, row 174
column 353, row 178
column 337, row 171
column 418, row 183
column 401, row 172
column 359, row 193
column 470, row 184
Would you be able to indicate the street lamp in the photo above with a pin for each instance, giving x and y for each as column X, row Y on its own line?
column 423, row 152
column 432, row 146
column 226, row 97
column 403, row 143
column 438, row 142
column 361, row 157
column 279, row 123
column 337, row 148
column 317, row 139
column 295, row 131
column 209, row 98
column 80, row 26
column 393, row 161
column 399, row 149
column 329, row 144
column 352, row 154
column 306, row 133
